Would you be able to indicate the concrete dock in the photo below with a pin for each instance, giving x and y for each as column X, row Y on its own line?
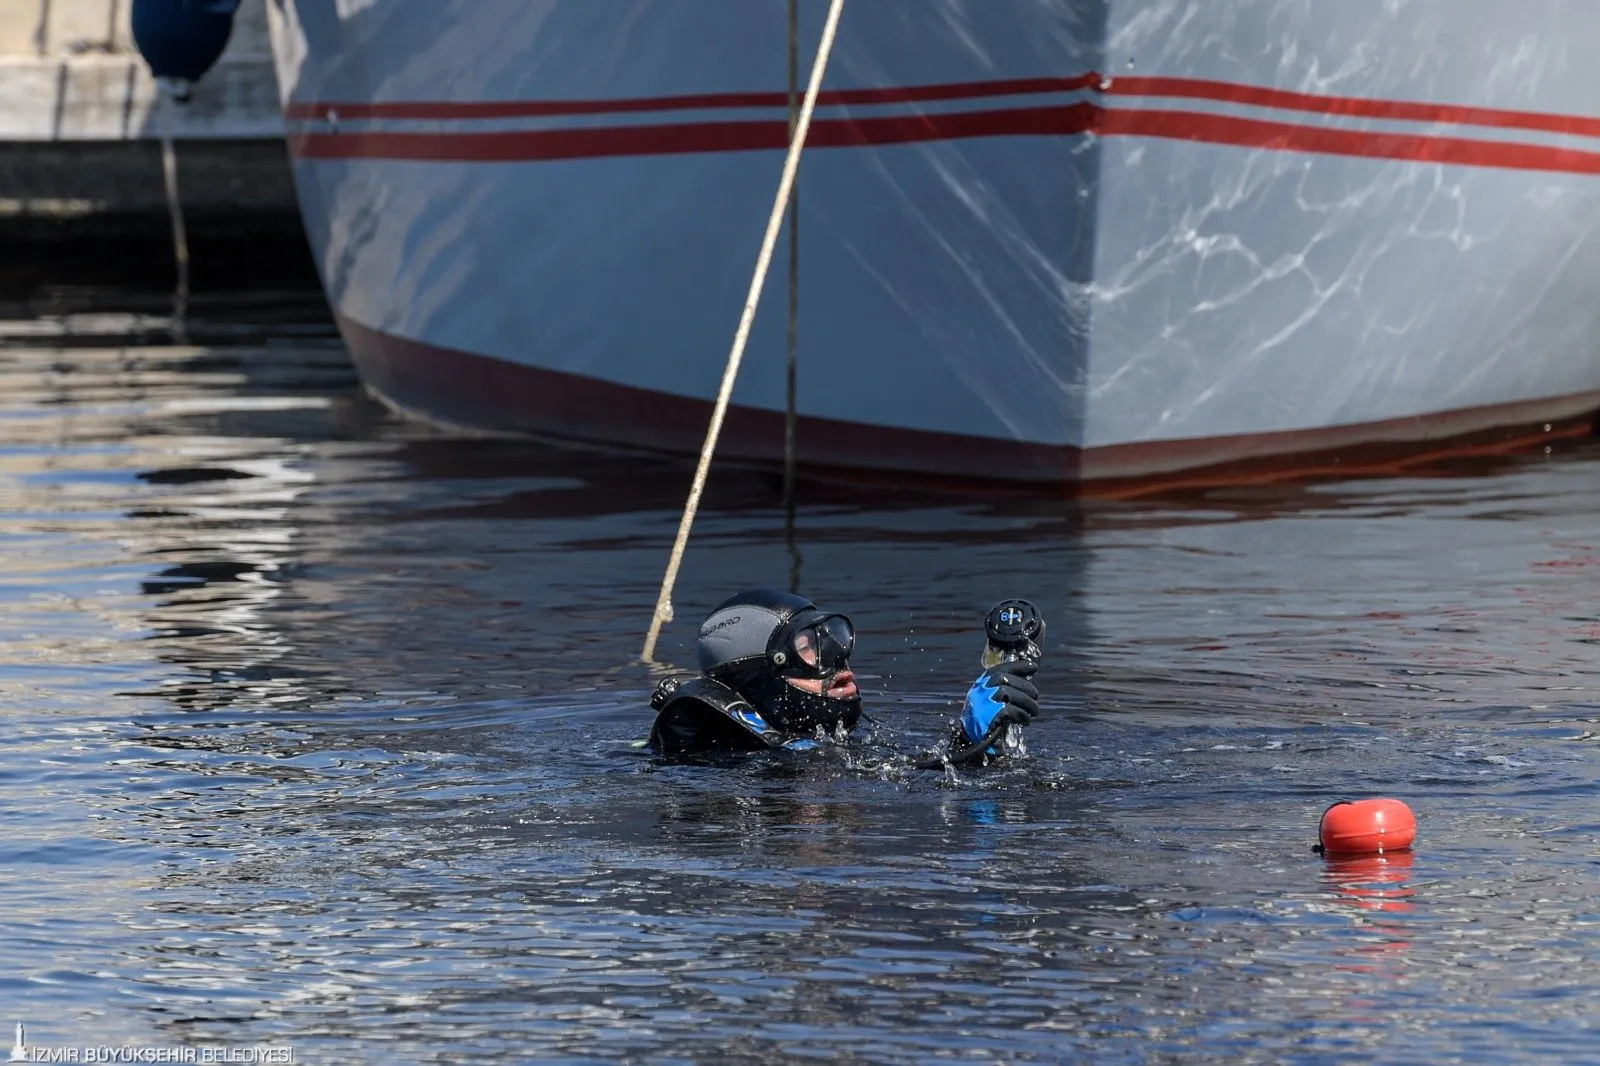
column 80, row 127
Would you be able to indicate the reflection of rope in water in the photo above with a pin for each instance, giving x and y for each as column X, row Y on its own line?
column 180, row 239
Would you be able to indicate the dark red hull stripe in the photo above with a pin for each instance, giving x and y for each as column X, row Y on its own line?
column 1161, row 87
column 708, row 137
column 462, row 387
column 1289, row 137
column 1355, row 106
column 491, row 109
column 692, row 138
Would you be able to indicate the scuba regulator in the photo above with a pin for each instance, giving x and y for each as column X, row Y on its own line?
column 1015, row 630
column 1000, row 700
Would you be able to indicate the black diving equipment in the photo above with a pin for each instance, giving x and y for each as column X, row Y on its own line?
column 1004, row 698
column 773, row 666
column 1014, row 630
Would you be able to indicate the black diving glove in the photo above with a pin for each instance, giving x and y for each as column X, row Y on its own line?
column 1003, row 694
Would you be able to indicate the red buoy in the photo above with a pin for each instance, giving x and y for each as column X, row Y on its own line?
column 1366, row 827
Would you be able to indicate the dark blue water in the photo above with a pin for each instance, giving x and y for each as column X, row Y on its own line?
column 322, row 730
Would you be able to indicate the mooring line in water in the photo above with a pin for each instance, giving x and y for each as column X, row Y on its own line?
column 663, row 612
column 180, row 238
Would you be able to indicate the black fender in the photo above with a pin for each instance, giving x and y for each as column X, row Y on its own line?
column 696, row 713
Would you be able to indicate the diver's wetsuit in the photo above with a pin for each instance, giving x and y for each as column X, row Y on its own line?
column 703, row 714
column 775, row 674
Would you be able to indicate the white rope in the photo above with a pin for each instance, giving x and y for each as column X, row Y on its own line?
column 663, row 612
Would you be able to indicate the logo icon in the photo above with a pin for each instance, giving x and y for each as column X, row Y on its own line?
column 756, row 723
column 1011, row 616
column 19, row 1050
column 711, row 628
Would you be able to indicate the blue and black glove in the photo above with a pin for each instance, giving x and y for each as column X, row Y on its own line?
column 1001, row 695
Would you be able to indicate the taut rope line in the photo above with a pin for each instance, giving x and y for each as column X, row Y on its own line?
column 663, row 612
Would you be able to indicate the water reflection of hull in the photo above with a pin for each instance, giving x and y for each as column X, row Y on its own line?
column 1081, row 242
column 288, row 530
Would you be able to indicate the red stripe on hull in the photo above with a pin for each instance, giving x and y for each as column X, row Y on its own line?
column 1155, row 86
column 1353, row 106
column 690, row 138
column 1290, row 137
column 1061, row 121
column 495, row 109
column 492, row 394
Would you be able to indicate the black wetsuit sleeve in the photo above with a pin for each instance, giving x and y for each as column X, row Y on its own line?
column 699, row 714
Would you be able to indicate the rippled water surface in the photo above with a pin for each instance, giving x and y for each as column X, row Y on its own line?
column 322, row 730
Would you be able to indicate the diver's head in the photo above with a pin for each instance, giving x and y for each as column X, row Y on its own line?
column 788, row 659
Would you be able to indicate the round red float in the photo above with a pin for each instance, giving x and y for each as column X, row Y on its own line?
column 1366, row 827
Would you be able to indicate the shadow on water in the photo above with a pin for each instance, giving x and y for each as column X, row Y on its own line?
column 325, row 731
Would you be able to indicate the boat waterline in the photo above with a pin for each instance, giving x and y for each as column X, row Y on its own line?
column 463, row 390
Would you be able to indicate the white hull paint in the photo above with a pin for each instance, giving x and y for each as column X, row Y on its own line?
column 1281, row 221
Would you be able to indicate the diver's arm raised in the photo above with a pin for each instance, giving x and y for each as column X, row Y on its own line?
column 1003, row 695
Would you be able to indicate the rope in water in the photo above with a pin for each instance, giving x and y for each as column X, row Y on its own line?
column 663, row 612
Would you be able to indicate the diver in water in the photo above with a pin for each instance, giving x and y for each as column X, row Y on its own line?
column 775, row 673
